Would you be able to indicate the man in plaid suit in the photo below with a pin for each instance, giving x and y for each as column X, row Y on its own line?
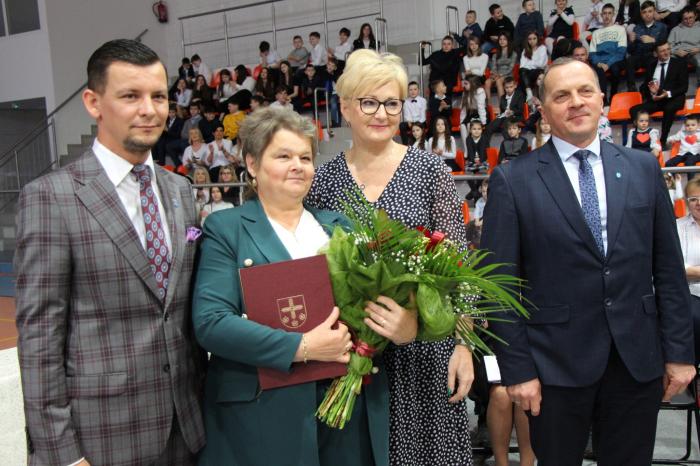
column 110, row 371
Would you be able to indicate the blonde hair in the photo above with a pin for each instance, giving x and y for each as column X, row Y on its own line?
column 200, row 169
column 198, row 132
column 694, row 183
column 366, row 70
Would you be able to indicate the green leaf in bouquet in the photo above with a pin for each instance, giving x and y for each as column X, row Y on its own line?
column 435, row 316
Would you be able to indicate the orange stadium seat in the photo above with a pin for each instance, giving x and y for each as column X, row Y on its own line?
column 679, row 208
column 620, row 109
column 459, row 159
column 465, row 212
column 454, row 119
column 576, row 30
column 492, row 157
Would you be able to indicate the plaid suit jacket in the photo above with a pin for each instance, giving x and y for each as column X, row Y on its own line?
column 106, row 365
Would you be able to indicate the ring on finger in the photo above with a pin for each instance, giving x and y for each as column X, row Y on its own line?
column 383, row 322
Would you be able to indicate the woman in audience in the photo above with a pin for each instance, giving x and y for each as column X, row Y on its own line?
column 183, row 95
column 246, row 425
column 215, row 204
column 429, row 419
column 532, row 62
column 200, row 175
column 227, row 174
column 475, row 61
column 265, row 85
column 225, row 89
column 197, row 153
column 202, row 92
column 221, row 151
column 366, row 38
column 243, row 80
column 689, row 234
column 502, row 64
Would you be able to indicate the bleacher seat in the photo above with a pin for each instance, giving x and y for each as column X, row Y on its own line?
column 465, row 212
column 620, row 109
column 492, row 157
column 459, row 160
column 454, row 119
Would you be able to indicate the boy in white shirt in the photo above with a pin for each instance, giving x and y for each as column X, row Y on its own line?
column 413, row 111
column 281, row 99
column 342, row 49
column 319, row 56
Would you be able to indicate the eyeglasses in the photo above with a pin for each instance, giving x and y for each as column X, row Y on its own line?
column 693, row 199
column 370, row 106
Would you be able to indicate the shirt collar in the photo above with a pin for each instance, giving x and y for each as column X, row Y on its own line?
column 117, row 168
column 566, row 150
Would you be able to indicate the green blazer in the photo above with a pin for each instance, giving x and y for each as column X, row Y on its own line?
column 244, row 425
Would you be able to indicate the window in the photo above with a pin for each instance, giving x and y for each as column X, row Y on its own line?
column 22, row 16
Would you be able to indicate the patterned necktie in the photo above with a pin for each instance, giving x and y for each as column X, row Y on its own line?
column 589, row 198
column 156, row 248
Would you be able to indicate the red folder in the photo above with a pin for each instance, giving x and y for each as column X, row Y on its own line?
column 295, row 296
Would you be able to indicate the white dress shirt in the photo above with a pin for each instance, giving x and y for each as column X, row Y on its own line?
column 319, row 55
column 219, row 157
column 689, row 234
column 306, row 240
column 415, row 111
column 476, row 65
column 572, row 167
column 341, row 50
column 451, row 154
column 119, row 173
column 657, row 74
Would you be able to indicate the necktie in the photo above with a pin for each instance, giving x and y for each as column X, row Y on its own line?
column 662, row 77
column 156, row 248
column 589, row 198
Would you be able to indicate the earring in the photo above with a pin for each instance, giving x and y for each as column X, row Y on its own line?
column 254, row 183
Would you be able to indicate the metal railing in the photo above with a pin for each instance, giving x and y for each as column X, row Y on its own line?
column 429, row 46
column 274, row 29
column 450, row 31
column 22, row 162
column 382, row 39
column 328, row 112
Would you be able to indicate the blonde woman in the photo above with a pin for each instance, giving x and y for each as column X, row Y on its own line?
column 427, row 381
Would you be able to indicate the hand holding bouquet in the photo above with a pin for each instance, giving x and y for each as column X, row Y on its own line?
column 423, row 271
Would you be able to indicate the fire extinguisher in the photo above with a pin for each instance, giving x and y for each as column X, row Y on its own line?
column 161, row 11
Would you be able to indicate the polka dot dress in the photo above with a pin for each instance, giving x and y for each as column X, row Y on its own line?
column 425, row 429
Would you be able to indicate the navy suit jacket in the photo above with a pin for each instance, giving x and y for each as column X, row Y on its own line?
column 581, row 303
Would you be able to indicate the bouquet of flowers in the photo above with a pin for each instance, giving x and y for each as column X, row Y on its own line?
column 420, row 270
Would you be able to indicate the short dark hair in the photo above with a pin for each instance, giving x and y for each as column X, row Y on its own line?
column 660, row 43
column 258, row 98
column 412, row 83
column 510, row 122
column 508, row 80
column 689, row 9
column 434, row 84
column 210, row 109
column 264, row 46
column 494, row 7
column 608, row 6
column 640, row 112
column 297, row 37
column 279, row 89
column 118, row 50
column 647, row 4
column 448, row 37
column 475, row 121
column 345, row 31
column 473, row 12
column 185, row 61
column 309, row 65
column 315, row 34
column 196, row 104
column 693, row 116
column 195, row 57
column 525, row 1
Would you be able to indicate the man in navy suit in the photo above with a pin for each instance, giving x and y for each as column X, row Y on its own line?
column 590, row 228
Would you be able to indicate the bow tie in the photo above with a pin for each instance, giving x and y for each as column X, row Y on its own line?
column 414, row 100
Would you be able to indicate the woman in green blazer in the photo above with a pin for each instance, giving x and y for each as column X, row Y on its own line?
column 246, row 426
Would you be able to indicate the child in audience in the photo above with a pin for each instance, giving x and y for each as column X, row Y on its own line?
column 413, row 111
column 225, row 89
column 439, row 104
column 689, row 137
column 542, row 134
column 215, row 204
column 256, row 102
column 330, row 77
column 265, row 85
column 528, row 21
column 309, row 82
column 473, row 105
column 532, row 62
column 629, row 14
column 512, row 105
column 593, row 20
column 604, row 129
column 319, row 56
column 418, row 136
column 342, row 49
column 268, row 57
column 471, row 29
column 220, row 152
column 513, row 144
column 475, row 60
column 208, row 124
column 560, row 24
column 481, row 202
column 502, row 64
column 232, row 121
column 674, row 185
column 642, row 137
column 443, row 144
column 497, row 24
column 475, row 155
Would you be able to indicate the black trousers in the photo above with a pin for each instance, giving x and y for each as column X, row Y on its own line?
column 612, row 81
column 695, row 308
column 688, row 159
column 632, row 63
column 621, row 410
column 668, row 106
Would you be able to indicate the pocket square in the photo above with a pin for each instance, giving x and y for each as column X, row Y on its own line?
column 193, row 233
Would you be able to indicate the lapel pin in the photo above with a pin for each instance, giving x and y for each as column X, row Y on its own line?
column 176, row 204
column 248, row 262
column 618, row 175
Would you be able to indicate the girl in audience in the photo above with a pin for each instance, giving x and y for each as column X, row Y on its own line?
column 532, row 62
column 265, row 85
column 201, row 195
column 475, row 61
column 286, row 77
column 366, row 38
column 220, row 152
column 225, row 89
column 542, row 134
column 418, row 135
column 502, row 64
column 233, row 119
column 443, row 144
column 197, row 153
column 473, row 105
column 183, row 95
column 642, row 136
column 216, row 203
column 560, row 24
column 201, row 92
column 243, row 80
